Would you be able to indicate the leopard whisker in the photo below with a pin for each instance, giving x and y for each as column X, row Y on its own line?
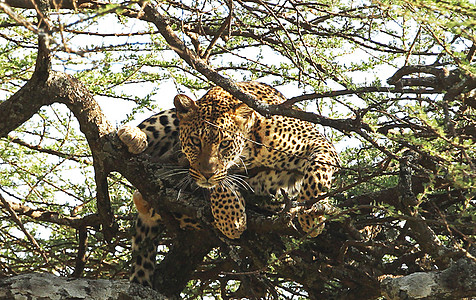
column 239, row 180
column 243, row 163
column 227, row 185
column 240, row 176
column 173, row 172
column 183, row 183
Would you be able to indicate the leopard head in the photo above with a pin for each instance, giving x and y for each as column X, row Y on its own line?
column 213, row 133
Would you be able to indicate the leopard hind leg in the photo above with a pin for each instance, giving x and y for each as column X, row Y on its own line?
column 144, row 247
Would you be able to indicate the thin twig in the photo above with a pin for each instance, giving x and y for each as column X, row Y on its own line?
column 22, row 21
column 17, row 220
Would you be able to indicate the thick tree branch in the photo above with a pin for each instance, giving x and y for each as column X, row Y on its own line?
column 58, row 4
column 362, row 90
column 438, row 78
column 49, row 286
column 43, row 59
column 26, row 102
column 456, row 282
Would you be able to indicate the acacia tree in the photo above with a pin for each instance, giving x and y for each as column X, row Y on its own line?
column 392, row 82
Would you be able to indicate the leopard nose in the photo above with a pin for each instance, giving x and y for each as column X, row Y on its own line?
column 207, row 175
column 208, row 167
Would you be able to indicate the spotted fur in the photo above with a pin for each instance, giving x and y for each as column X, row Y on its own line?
column 219, row 137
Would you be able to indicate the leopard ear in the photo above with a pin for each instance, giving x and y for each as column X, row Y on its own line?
column 185, row 106
column 244, row 115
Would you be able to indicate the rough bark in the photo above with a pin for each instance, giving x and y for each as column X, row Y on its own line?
column 456, row 282
column 37, row 286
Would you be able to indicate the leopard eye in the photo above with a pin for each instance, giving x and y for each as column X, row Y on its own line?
column 196, row 141
column 225, row 144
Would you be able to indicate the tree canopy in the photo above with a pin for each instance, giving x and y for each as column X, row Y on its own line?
column 393, row 84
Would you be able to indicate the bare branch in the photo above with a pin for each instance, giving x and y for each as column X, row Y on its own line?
column 226, row 24
column 50, row 151
column 6, row 7
column 51, row 216
column 362, row 90
column 17, row 220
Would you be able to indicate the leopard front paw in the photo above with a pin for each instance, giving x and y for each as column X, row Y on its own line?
column 311, row 222
column 133, row 138
column 228, row 211
column 232, row 228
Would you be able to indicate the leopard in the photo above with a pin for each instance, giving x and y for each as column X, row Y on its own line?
column 219, row 138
